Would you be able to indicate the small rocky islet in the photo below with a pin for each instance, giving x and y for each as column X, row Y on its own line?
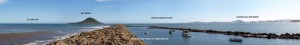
column 114, row 35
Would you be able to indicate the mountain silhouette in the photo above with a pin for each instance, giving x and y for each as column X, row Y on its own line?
column 88, row 21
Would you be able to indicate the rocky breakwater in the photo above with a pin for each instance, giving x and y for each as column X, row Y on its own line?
column 236, row 33
column 114, row 35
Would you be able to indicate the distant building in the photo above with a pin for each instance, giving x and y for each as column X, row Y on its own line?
column 196, row 22
column 295, row 20
column 271, row 21
column 285, row 20
column 238, row 21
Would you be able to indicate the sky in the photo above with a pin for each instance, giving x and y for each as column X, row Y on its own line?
column 141, row 11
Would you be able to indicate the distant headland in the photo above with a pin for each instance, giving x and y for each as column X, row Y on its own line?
column 89, row 20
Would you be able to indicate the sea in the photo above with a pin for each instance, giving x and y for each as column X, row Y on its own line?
column 41, row 34
column 163, row 37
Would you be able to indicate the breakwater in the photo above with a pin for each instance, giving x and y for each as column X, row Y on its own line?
column 236, row 33
column 114, row 35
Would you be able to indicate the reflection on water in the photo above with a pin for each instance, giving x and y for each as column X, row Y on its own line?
column 202, row 38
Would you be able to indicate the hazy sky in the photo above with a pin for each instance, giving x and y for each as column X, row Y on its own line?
column 141, row 11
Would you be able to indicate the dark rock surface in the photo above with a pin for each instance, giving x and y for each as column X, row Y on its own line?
column 114, row 35
column 88, row 21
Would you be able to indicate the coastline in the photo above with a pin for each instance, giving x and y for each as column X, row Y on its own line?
column 114, row 35
column 59, row 35
column 235, row 33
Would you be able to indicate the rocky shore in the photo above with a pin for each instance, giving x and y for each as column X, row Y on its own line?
column 114, row 35
column 236, row 33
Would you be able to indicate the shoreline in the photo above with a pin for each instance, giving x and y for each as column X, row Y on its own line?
column 113, row 35
column 60, row 37
column 235, row 33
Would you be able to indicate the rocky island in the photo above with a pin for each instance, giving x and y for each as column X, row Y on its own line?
column 89, row 20
column 114, row 35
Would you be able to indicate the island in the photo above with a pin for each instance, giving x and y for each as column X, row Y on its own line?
column 89, row 20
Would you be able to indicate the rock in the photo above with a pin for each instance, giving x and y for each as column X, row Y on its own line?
column 114, row 35
column 235, row 33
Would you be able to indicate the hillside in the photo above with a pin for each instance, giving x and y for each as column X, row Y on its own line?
column 88, row 21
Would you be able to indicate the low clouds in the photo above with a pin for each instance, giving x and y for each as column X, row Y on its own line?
column 101, row 0
column 3, row 1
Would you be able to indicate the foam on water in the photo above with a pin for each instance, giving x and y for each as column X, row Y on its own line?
column 44, row 42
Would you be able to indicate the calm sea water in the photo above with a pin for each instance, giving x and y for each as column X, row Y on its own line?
column 40, row 34
column 199, row 38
